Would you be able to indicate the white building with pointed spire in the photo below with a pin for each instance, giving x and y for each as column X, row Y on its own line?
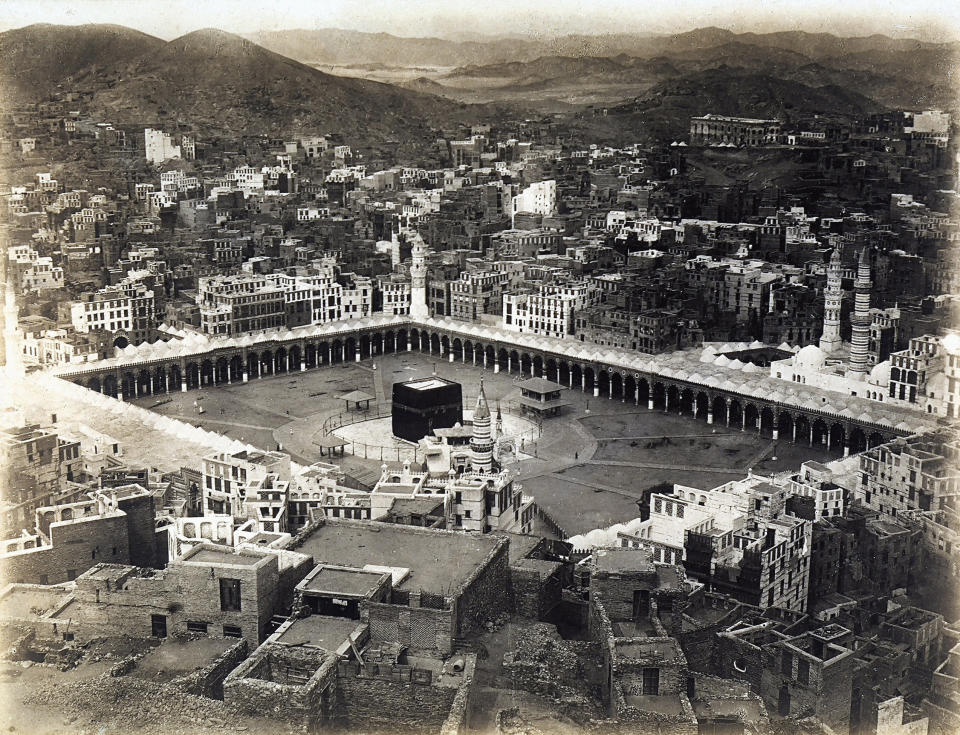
column 861, row 318
column 418, row 276
column 830, row 341
column 481, row 442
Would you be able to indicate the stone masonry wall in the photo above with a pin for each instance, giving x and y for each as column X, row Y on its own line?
column 423, row 630
column 394, row 706
column 208, row 681
column 536, row 587
column 249, row 689
column 75, row 547
column 486, row 595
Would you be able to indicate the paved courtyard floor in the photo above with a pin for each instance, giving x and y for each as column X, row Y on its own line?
column 588, row 469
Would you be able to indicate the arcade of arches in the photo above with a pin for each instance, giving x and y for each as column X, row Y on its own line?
column 236, row 364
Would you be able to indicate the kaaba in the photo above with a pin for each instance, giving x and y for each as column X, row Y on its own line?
column 425, row 404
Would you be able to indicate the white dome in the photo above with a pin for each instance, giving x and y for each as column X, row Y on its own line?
column 880, row 375
column 810, row 356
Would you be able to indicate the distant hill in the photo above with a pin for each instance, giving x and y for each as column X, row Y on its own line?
column 221, row 82
column 39, row 57
column 666, row 109
column 335, row 46
column 894, row 74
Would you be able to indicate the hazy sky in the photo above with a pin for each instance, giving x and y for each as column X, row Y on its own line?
column 933, row 19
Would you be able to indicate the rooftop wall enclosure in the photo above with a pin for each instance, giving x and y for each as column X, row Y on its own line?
column 75, row 546
column 294, row 685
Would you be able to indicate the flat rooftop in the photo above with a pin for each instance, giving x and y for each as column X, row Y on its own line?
column 30, row 602
column 665, row 705
column 344, row 581
column 623, row 560
column 174, row 657
column 439, row 561
column 520, row 544
column 216, row 556
column 428, row 383
column 319, row 631
column 664, row 650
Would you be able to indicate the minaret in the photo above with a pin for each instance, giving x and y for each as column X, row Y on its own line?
column 860, row 320
column 830, row 340
column 418, row 280
column 481, row 443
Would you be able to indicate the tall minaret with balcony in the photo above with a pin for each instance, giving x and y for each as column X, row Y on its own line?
column 830, row 341
column 481, row 442
column 418, row 278
column 860, row 320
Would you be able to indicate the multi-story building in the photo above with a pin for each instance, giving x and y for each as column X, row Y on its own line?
column 226, row 478
column 394, row 295
column 525, row 243
column 912, row 373
column 62, row 346
column 655, row 331
column 538, row 198
column 35, row 464
column 484, row 502
column 41, row 275
column 476, row 293
column 240, row 303
column 551, row 312
column 158, row 146
column 735, row 539
column 740, row 131
column 816, row 481
column 356, row 296
column 951, row 369
column 320, row 487
column 919, row 472
column 265, row 504
column 126, row 310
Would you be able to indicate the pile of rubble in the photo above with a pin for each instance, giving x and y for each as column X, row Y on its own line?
column 124, row 704
column 544, row 663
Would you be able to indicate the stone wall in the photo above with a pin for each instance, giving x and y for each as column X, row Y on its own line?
column 617, row 591
column 734, row 654
column 486, row 594
column 392, row 705
column 75, row 547
column 536, row 587
column 458, row 721
column 199, row 588
column 141, row 529
column 827, row 694
column 181, row 594
column 294, row 685
column 424, row 630
column 645, row 721
column 208, row 681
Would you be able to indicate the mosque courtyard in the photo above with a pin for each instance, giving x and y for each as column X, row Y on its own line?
column 587, row 468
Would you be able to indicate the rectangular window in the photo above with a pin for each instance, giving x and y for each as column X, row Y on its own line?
column 229, row 594
column 651, row 681
column 195, row 626
column 232, row 631
column 786, row 664
column 803, row 671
